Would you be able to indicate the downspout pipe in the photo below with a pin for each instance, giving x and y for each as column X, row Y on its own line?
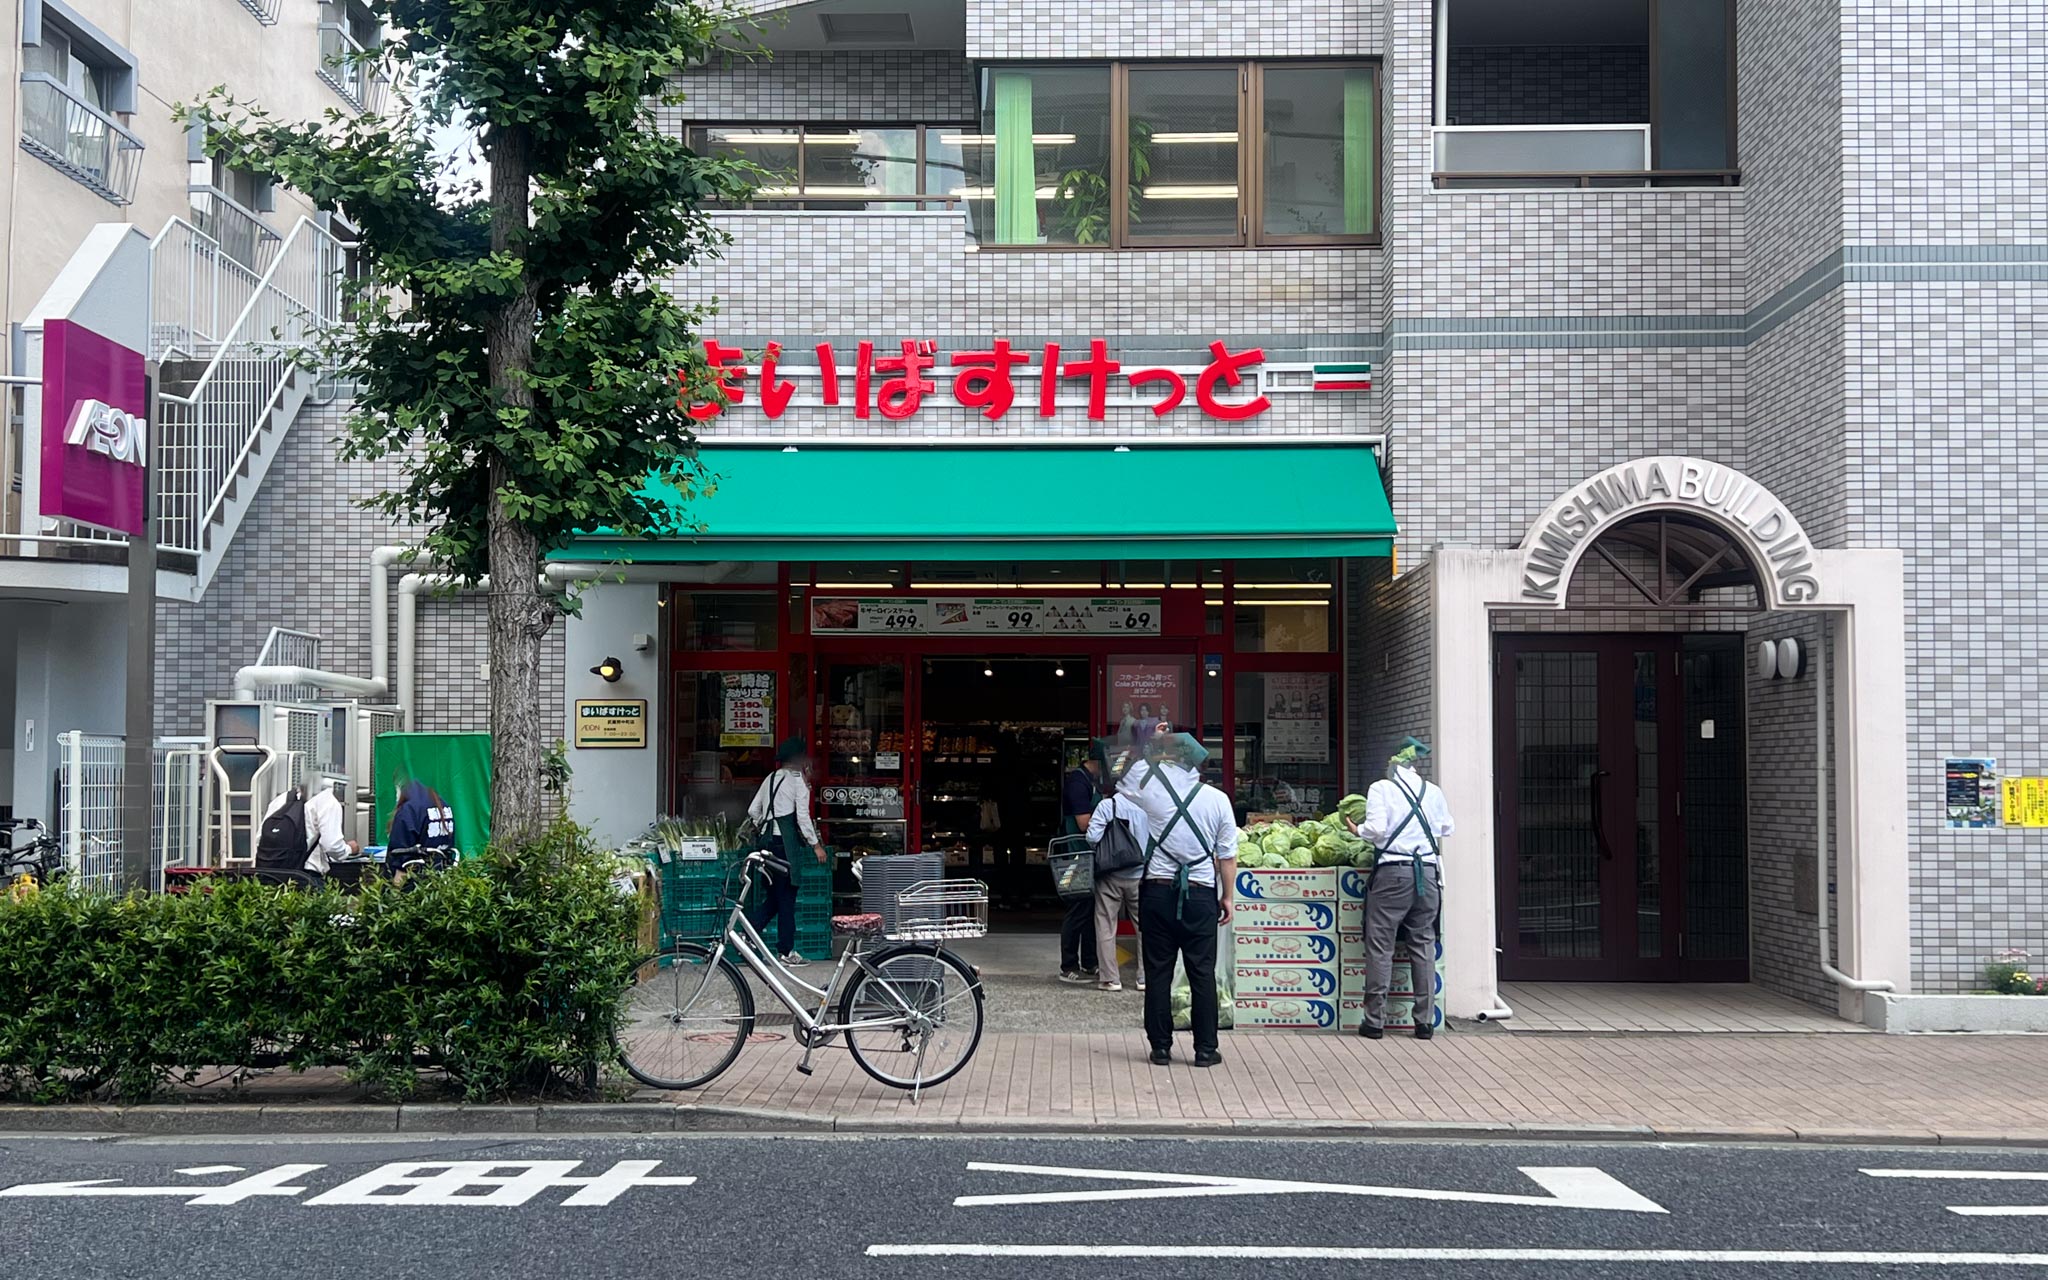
column 1820, row 823
column 381, row 561
column 409, row 588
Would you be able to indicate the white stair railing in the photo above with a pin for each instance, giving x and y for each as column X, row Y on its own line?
column 288, row 648
column 199, row 292
column 205, row 434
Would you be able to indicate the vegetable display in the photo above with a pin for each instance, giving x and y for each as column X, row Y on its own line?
column 1314, row 842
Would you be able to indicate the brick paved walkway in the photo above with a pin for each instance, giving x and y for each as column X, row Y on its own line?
column 1810, row 1085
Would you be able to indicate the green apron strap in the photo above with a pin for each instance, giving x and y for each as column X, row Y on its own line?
column 784, row 824
column 1180, row 812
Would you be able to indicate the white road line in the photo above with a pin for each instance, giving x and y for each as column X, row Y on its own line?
column 1965, row 1175
column 205, row 1170
column 1568, row 1187
column 1314, row 1253
column 1978, row 1175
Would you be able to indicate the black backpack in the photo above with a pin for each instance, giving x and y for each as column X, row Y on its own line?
column 281, row 845
column 1119, row 849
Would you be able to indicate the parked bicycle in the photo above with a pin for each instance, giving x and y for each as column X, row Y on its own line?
column 41, row 859
column 910, row 1009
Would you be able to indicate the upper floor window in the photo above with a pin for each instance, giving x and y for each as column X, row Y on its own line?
column 74, row 83
column 228, row 204
column 842, row 166
column 348, row 31
column 1175, row 154
column 1602, row 93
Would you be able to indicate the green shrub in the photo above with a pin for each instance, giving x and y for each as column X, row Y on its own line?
column 505, row 971
column 2009, row 975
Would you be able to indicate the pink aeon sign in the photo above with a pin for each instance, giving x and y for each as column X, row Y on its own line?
column 95, row 429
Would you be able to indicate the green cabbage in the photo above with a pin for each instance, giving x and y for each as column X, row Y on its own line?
column 1301, row 857
column 1278, row 843
column 1352, row 807
column 1330, row 852
column 1315, row 829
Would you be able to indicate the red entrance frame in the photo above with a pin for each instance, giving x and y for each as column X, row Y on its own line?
column 798, row 654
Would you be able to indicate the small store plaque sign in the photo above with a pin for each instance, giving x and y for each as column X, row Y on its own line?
column 611, row 724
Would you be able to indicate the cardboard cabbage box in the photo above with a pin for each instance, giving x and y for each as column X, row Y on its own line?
column 1308, row 981
column 1284, row 946
column 1286, row 1012
column 1298, row 884
column 1257, row 914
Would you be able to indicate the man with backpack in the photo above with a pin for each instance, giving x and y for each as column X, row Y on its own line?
column 301, row 833
column 1119, row 832
column 1406, row 819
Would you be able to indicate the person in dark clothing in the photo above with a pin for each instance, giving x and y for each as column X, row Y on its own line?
column 423, row 819
column 1078, row 793
column 1010, row 788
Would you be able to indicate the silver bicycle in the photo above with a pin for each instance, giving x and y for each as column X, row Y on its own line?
column 910, row 1009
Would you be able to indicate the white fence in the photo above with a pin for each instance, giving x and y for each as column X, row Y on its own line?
column 91, row 790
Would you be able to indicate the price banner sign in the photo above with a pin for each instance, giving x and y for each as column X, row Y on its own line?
column 987, row 616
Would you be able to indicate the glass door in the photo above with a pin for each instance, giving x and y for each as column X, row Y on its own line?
column 724, row 740
column 867, row 796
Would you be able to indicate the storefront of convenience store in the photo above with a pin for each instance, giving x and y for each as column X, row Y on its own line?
column 949, row 625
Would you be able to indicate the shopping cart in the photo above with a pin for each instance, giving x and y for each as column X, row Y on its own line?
column 1072, row 860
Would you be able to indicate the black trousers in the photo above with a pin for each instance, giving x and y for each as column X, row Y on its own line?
column 778, row 898
column 1077, row 936
column 1194, row 941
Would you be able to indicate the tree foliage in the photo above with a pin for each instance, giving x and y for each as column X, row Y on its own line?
column 516, row 342
column 617, row 211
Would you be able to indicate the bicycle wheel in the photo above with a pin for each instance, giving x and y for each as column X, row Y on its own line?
column 683, row 1019
column 928, row 1005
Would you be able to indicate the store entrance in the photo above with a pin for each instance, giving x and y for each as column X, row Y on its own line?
column 998, row 734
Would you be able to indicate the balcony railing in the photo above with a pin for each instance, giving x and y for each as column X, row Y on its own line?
column 265, row 11
column 81, row 140
column 344, row 68
column 236, row 229
column 1557, row 155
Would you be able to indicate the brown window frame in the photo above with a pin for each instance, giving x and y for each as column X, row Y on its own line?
column 920, row 199
column 1250, row 157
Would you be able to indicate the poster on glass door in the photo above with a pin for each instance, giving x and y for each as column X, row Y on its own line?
column 1298, row 718
column 749, row 711
column 1143, row 696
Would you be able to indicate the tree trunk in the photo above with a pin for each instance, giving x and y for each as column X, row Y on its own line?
column 519, row 617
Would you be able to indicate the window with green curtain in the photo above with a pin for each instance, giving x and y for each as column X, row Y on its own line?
column 1016, row 170
column 1038, row 163
column 1317, row 142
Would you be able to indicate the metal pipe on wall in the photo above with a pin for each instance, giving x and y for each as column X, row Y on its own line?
column 1820, row 820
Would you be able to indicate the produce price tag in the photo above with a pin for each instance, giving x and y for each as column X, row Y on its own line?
column 697, row 850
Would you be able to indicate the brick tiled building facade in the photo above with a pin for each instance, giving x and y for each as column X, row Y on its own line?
column 1845, row 317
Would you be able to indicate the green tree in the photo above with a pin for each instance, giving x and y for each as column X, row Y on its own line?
column 517, row 348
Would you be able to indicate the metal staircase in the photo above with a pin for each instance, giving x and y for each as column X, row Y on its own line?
column 239, row 355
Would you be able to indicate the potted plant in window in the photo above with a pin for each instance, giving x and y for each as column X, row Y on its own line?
column 1081, row 214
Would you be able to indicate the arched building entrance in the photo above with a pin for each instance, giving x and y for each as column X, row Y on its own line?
column 1608, row 770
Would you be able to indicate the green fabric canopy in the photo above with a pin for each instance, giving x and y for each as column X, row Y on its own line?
column 928, row 503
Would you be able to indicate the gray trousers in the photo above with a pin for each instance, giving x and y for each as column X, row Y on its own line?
column 1398, row 918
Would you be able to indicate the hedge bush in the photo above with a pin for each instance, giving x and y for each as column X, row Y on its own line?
column 505, row 971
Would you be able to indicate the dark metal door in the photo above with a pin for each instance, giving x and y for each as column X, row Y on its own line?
column 1594, row 755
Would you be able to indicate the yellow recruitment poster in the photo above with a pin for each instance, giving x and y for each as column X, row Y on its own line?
column 2026, row 802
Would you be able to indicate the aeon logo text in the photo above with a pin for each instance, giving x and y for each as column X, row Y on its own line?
column 101, row 428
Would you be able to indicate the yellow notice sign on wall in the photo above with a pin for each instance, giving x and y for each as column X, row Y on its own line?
column 2026, row 802
column 611, row 724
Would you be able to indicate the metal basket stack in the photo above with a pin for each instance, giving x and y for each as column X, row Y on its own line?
column 936, row 910
column 883, row 876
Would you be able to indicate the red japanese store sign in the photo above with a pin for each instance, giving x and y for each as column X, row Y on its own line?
column 897, row 384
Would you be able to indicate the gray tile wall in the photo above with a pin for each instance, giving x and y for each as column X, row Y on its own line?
column 1550, row 84
column 1172, row 29
column 908, row 86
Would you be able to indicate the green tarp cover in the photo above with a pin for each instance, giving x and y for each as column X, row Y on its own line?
column 934, row 503
column 458, row 765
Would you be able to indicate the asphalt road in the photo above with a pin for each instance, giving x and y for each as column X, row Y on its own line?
column 822, row 1208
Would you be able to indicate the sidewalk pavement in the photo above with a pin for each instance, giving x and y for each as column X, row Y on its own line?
column 1840, row 1088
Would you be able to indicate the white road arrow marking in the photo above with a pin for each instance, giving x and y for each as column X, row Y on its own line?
column 1978, row 1175
column 1569, row 1187
column 269, row 1182
column 206, row 1170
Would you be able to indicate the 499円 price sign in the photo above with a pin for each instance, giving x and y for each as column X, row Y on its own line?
column 986, row 616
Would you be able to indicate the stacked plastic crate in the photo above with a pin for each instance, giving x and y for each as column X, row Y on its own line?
column 1351, row 885
column 1284, row 943
column 696, row 900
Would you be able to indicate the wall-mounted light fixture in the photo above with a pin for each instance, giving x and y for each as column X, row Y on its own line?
column 1780, row 659
column 609, row 670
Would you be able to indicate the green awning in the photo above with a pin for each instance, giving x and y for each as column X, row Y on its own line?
column 924, row 503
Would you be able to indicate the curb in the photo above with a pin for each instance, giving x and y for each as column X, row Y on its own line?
column 313, row 1120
